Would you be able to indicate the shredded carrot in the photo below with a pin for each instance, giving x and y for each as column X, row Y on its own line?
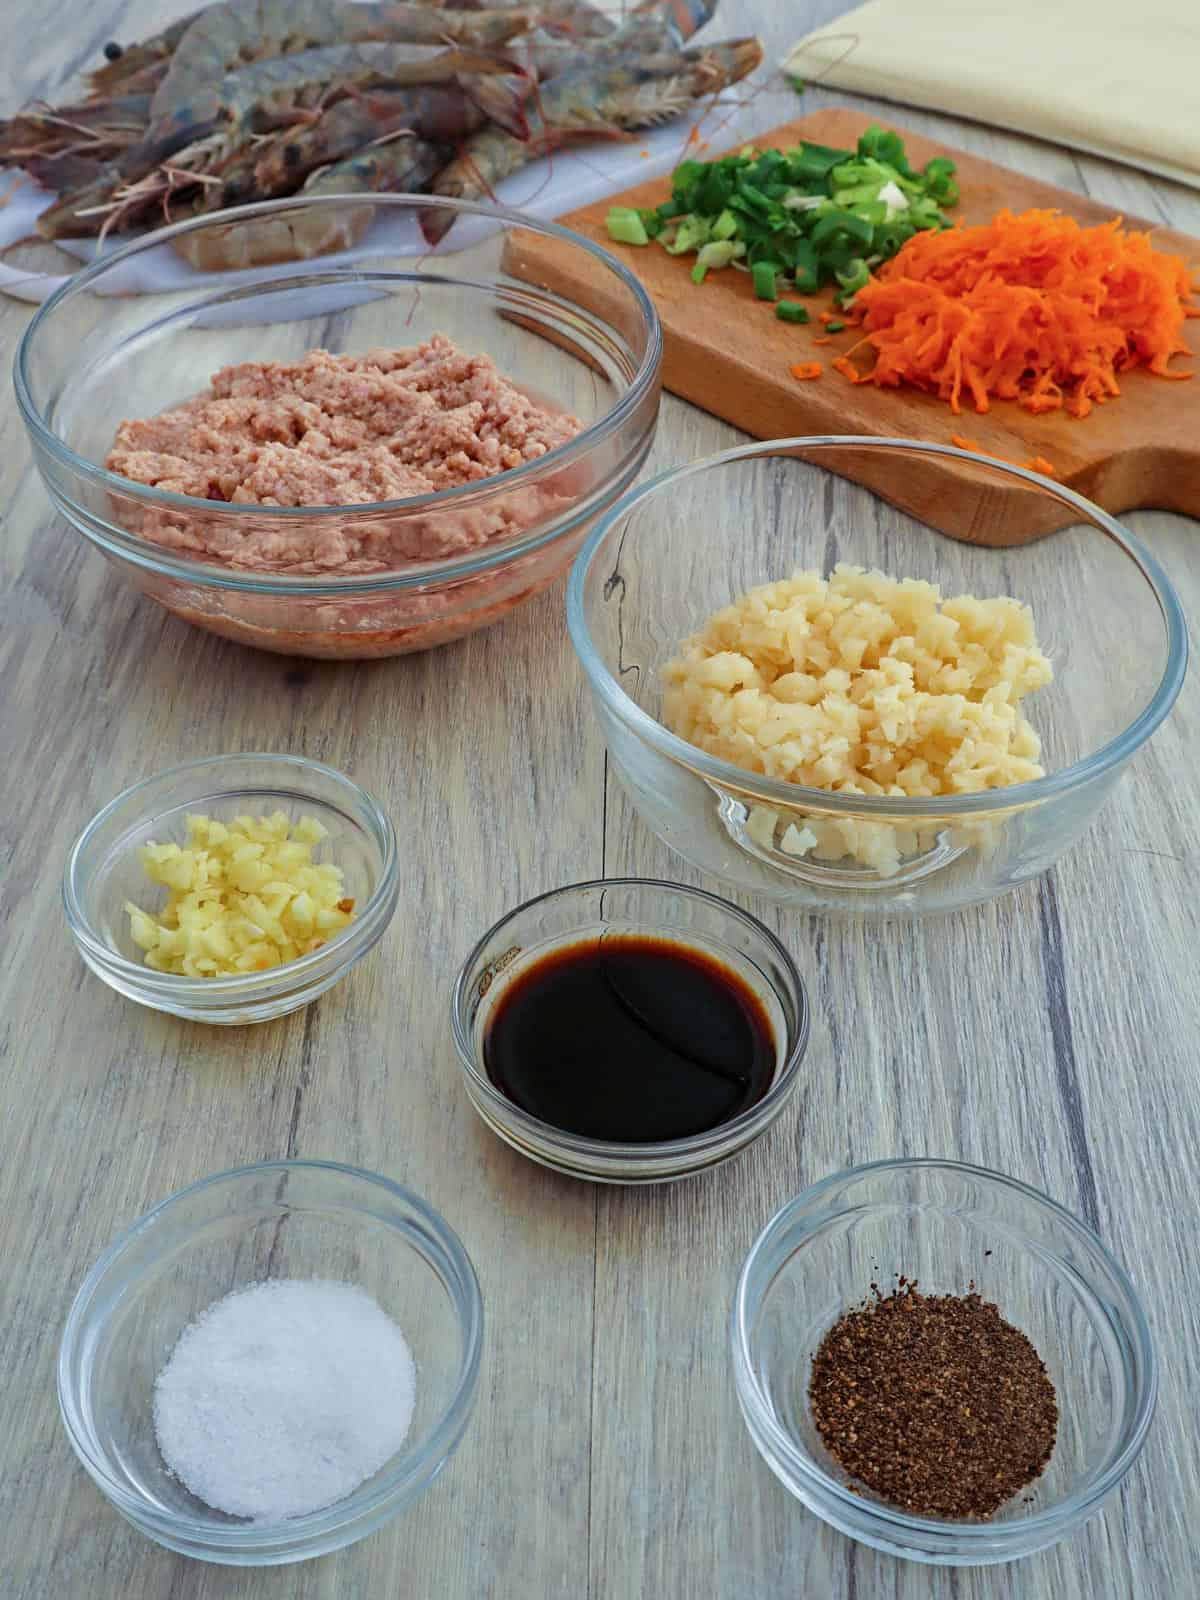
column 1031, row 308
column 826, row 316
column 807, row 369
column 1035, row 464
column 825, row 339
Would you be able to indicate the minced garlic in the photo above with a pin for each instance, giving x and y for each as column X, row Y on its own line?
column 244, row 897
column 862, row 685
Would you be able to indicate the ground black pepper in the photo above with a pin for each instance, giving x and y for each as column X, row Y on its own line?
column 934, row 1402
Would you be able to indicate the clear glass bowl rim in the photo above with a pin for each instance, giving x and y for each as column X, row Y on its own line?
column 464, row 497
column 176, row 985
column 608, row 1150
column 712, row 768
column 892, row 1519
column 295, row 1530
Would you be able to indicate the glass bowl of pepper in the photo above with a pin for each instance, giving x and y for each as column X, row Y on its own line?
column 941, row 1362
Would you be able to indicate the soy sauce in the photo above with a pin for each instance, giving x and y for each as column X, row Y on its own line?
column 630, row 1039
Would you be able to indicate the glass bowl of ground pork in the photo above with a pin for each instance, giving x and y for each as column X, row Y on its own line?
column 871, row 675
column 305, row 428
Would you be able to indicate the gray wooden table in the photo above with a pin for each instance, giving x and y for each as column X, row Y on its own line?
column 1051, row 1035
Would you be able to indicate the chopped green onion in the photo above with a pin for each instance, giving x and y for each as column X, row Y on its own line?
column 763, row 273
column 686, row 173
column 797, row 219
column 715, row 256
column 805, row 271
column 848, row 224
column 855, row 277
column 625, row 225
column 691, row 233
column 834, row 327
column 791, row 311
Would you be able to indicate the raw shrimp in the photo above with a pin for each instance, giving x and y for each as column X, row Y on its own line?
column 246, row 96
column 442, row 114
column 228, row 36
column 655, row 26
column 236, row 184
column 610, row 99
column 257, row 98
column 296, row 235
column 623, row 93
column 43, row 130
column 250, row 98
column 487, row 157
column 401, row 165
column 396, row 161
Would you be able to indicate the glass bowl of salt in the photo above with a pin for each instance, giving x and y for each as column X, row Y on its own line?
column 274, row 1362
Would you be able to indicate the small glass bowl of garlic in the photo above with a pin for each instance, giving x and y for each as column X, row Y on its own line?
column 232, row 890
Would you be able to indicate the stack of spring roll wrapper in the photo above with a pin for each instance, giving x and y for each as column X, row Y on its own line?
column 1103, row 76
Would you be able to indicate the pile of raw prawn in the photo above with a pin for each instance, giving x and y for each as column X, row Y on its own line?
column 248, row 100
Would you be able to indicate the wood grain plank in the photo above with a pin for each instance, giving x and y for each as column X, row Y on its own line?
column 1050, row 1034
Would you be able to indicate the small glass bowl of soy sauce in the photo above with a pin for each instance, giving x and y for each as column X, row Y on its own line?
column 629, row 1031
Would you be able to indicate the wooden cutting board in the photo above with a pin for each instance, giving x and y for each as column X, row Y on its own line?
column 727, row 352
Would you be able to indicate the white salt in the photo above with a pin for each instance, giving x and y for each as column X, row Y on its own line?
column 283, row 1397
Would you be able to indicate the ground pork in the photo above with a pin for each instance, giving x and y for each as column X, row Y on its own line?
column 342, row 430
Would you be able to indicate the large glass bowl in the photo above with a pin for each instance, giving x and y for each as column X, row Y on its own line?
column 144, row 329
column 945, row 1224
column 687, row 543
column 277, row 1219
